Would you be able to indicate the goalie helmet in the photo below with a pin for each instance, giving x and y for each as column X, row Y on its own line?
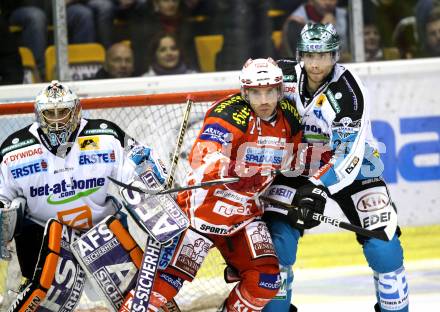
column 58, row 112
column 318, row 38
column 260, row 73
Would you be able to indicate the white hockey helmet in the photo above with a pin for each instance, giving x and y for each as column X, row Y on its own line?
column 260, row 73
column 58, row 112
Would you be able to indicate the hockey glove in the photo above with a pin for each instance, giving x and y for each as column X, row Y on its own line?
column 143, row 158
column 253, row 183
column 309, row 199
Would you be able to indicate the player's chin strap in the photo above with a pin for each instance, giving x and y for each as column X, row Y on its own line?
column 10, row 223
column 379, row 234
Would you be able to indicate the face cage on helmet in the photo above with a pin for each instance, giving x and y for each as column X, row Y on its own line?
column 57, row 132
column 279, row 85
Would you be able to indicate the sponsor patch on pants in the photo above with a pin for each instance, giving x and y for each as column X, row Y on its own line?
column 259, row 240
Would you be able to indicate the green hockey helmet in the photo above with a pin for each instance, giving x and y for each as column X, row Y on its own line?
column 320, row 38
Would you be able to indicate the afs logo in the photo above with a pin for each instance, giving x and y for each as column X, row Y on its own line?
column 29, row 168
column 88, row 143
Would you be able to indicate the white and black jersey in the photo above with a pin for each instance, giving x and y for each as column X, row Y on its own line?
column 337, row 114
column 69, row 185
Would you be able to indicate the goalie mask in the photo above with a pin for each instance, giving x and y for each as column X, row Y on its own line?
column 58, row 112
column 260, row 73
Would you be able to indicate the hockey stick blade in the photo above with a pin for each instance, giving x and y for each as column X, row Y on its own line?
column 336, row 222
column 173, row 190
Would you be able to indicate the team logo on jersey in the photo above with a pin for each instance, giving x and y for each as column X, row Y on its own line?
column 346, row 127
column 101, row 157
column 78, row 218
column 216, row 133
column 264, row 156
column 29, row 168
column 259, row 239
column 88, row 143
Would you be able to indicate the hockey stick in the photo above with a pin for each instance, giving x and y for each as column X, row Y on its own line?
column 141, row 189
column 182, row 131
column 141, row 297
column 336, row 222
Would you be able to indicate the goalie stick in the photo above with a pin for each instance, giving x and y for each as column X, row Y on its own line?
column 149, row 264
column 336, row 222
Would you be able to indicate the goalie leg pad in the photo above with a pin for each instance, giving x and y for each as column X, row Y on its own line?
column 111, row 258
column 58, row 280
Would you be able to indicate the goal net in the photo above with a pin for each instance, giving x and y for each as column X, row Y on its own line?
column 153, row 120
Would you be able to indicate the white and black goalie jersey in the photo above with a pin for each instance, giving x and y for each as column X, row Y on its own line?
column 71, row 186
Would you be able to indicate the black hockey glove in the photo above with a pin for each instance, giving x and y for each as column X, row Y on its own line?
column 309, row 199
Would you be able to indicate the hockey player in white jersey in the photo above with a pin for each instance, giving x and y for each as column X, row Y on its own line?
column 334, row 107
column 60, row 165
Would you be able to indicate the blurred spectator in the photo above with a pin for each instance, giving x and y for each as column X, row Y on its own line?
column 30, row 16
column 246, row 30
column 167, row 56
column 105, row 12
column 33, row 15
column 372, row 43
column 118, row 62
column 11, row 69
column 322, row 11
column 395, row 23
column 432, row 33
column 156, row 16
column 80, row 22
column 422, row 10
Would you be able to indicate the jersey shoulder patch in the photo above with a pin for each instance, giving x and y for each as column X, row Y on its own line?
column 103, row 127
column 346, row 97
column 16, row 140
column 233, row 110
column 291, row 114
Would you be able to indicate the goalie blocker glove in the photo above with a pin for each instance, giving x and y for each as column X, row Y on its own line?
column 308, row 199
